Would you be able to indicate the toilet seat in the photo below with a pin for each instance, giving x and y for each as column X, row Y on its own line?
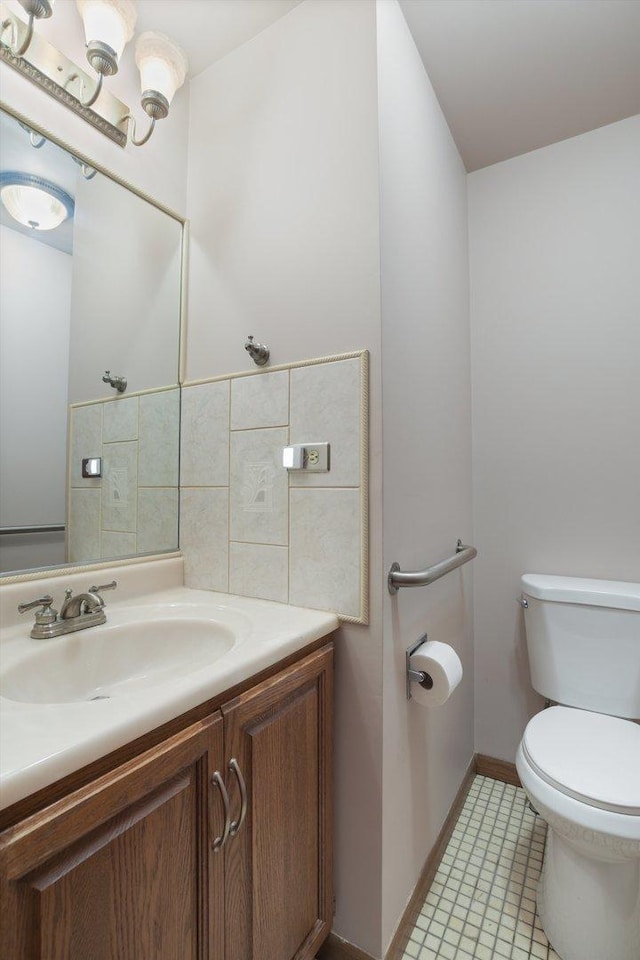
column 591, row 757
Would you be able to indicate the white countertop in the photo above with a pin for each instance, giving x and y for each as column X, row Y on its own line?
column 42, row 742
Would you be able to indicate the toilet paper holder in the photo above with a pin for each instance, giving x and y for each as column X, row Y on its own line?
column 416, row 676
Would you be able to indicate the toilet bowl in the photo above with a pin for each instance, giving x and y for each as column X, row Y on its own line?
column 581, row 771
column 580, row 763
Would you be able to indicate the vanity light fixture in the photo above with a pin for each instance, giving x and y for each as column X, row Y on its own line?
column 34, row 202
column 108, row 26
column 37, row 10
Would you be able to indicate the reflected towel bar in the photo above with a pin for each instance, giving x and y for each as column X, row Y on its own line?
column 45, row 528
column 421, row 578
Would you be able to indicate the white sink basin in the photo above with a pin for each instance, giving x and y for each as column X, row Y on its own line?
column 138, row 648
column 160, row 654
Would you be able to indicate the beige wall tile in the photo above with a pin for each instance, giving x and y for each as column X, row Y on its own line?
column 86, row 441
column 326, row 406
column 256, row 570
column 324, row 552
column 204, row 535
column 120, row 420
column 204, row 453
column 261, row 400
column 118, row 544
column 157, row 519
column 159, row 427
column 119, row 486
column 259, row 487
column 84, row 525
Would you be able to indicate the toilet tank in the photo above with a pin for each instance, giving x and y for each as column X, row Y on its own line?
column 583, row 639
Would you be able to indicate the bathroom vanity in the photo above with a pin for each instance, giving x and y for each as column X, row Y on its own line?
column 207, row 837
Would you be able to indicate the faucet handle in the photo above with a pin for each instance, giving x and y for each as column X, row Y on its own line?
column 105, row 586
column 46, row 615
column 43, row 602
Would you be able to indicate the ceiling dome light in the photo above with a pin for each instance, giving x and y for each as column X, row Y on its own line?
column 34, row 202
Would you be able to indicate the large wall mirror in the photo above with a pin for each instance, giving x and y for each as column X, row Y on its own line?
column 88, row 470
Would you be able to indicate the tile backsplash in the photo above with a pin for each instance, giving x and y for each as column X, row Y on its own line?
column 133, row 507
column 247, row 525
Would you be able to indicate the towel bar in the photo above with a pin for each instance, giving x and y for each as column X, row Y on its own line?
column 45, row 528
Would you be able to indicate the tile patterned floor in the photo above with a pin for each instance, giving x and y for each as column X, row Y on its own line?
column 481, row 905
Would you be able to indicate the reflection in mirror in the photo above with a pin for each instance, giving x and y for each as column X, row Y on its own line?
column 84, row 306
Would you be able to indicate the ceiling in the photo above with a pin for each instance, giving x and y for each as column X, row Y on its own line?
column 515, row 75
column 510, row 75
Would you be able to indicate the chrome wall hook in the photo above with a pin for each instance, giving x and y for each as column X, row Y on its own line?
column 118, row 383
column 258, row 352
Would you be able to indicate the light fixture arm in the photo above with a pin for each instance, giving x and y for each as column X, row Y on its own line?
column 104, row 61
column 96, row 92
column 130, row 120
column 156, row 106
column 36, row 10
column 35, row 140
column 24, row 46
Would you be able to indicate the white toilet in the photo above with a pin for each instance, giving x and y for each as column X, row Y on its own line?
column 581, row 767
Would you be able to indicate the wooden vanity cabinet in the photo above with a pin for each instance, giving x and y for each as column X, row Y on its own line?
column 278, row 868
column 125, row 868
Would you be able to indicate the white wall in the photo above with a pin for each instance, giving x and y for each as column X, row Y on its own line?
column 34, row 357
column 555, row 307
column 283, row 186
column 125, row 304
column 159, row 167
column 427, row 449
column 283, row 203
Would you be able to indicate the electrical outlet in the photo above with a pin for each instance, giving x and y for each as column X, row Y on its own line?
column 312, row 457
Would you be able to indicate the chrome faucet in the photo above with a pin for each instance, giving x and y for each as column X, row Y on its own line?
column 77, row 613
column 80, row 605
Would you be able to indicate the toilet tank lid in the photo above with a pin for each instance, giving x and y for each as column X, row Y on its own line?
column 600, row 593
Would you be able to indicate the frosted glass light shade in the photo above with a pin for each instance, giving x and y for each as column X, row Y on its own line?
column 162, row 64
column 108, row 21
column 34, row 202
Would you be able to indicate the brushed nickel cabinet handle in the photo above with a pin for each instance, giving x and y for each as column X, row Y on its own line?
column 220, row 841
column 234, row 766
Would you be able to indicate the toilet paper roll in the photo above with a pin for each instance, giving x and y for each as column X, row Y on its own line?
column 440, row 662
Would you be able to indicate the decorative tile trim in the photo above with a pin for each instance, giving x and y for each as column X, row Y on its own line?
column 283, row 366
column 120, row 397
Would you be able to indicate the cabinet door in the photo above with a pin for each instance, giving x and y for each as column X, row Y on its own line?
column 278, row 888
column 123, row 869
